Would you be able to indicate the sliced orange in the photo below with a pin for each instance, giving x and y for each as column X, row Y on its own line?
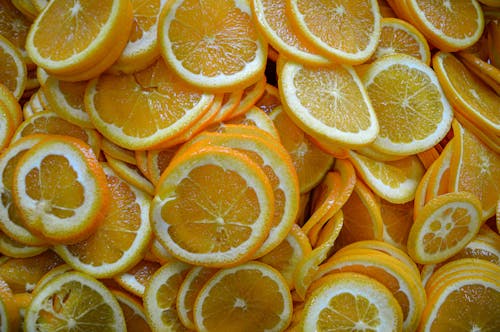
column 395, row 181
column 491, row 141
column 7, row 125
column 396, row 220
column 328, row 103
column 13, row 72
column 122, row 237
column 440, row 174
column 138, row 111
column 476, row 169
column 136, row 279
column 14, row 26
column 269, row 100
column 467, row 93
column 412, row 119
column 218, row 196
column 9, row 99
column 188, row 291
column 353, row 302
column 488, row 73
column 117, row 152
column 449, row 25
column 160, row 297
column 230, row 101
column 275, row 25
column 93, row 29
column 399, row 36
column 427, row 157
column 50, row 274
column 157, row 162
column 310, row 162
column 9, row 310
column 254, row 117
column 444, row 226
column 346, row 32
column 74, row 300
column 15, row 249
column 142, row 47
column 66, row 99
column 250, row 95
column 213, row 45
column 133, row 311
column 60, row 189
column 249, row 296
column 131, row 174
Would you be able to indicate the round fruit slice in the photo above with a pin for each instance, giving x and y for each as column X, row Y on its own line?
column 60, row 189
column 76, row 301
column 13, row 72
column 444, row 226
column 213, row 207
column 125, row 232
column 212, row 44
column 352, row 301
column 250, row 296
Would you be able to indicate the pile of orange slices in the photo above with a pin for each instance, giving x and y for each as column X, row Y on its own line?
column 249, row 165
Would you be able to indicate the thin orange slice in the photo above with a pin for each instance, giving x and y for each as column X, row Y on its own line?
column 488, row 73
column 9, row 310
column 13, row 72
column 15, row 249
column 346, row 32
column 133, row 311
column 12, row 104
column 138, row 111
column 213, row 45
column 136, row 279
column 14, row 26
column 218, row 196
column 131, row 174
column 245, row 297
column 60, row 189
column 444, row 226
column 396, row 220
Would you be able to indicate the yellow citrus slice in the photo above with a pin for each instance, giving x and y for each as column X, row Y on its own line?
column 476, row 169
column 155, row 106
column 414, row 118
column 487, row 72
column 245, row 297
column 60, row 189
column 449, row 25
column 395, row 181
column 351, row 301
column 13, row 72
column 467, row 93
column 218, row 196
column 74, row 300
column 275, row 25
column 444, row 226
column 214, row 44
column 160, row 297
column 399, row 36
column 328, row 103
column 125, row 232
column 346, row 32
column 69, row 38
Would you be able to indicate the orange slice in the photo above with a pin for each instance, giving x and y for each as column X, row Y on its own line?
column 248, row 296
column 60, row 189
column 218, row 196
column 125, row 233
column 7, row 125
column 399, row 36
column 488, row 73
column 117, row 152
column 9, row 311
column 13, row 72
column 476, row 169
column 310, row 162
column 93, row 29
column 440, row 174
column 15, row 249
column 351, row 301
column 14, row 26
column 13, row 106
column 59, row 304
column 131, row 174
column 396, row 221
column 346, row 32
column 269, row 100
column 254, row 117
column 250, row 95
column 160, row 296
column 274, row 24
column 467, row 93
column 136, row 279
column 138, row 111
column 328, row 103
column 449, row 25
column 133, row 311
column 444, row 226
column 157, row 162
column 213, row 45
column 412, row 119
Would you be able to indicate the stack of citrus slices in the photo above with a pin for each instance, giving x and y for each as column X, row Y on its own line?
column 249, row 165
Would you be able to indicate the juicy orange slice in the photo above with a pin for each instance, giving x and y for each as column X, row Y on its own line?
column 213, row 45
column 328, row 103
column 244, row 297
column 14, row 26
column 60, row 189
column 449, row 25
column 13, row 106
column 324, row 25
column 136, row 279
column 155, row 106
column 69, row 38
column 125, row 232
column 444, row 226
column 133, row 312
column 412, row 119
column 13, row 72
column 9, row 310
column 218, row 196
column 353, row 301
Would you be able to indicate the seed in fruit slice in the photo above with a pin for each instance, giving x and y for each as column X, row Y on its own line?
column 74, row 300
column 249, row 296
column 60, row 189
